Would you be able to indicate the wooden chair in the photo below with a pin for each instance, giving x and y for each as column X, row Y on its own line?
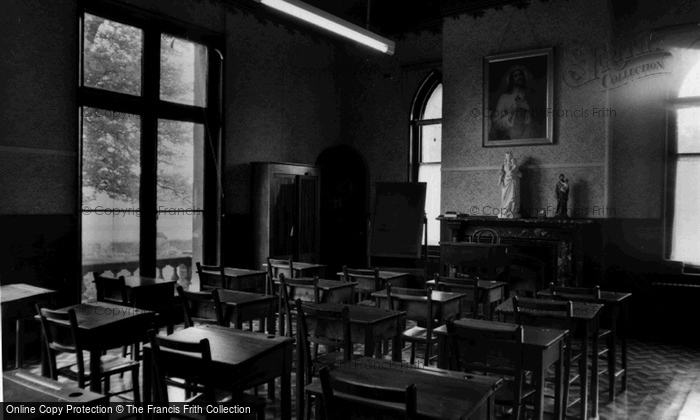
column 286, row 300
column 60, row 334
column 198, row 307
column 419, row 313
column 492, row 347
column 485, row 236
column 274, row 272
column 211, row 276
column 465, row 285
column 110, row 289
column 197, row 376
column 113, row 290
column 553, row 314
column 159, row 298
column 608, row 335
column 367, row 280
column 341, row 398
column 327, row 328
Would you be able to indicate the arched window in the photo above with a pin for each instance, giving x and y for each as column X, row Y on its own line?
column 426, row 147
column 684, row 164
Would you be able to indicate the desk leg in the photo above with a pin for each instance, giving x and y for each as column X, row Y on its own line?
column 539, row 393
column 594, row 378
column 486, row 303
column 584, row 376
column 442, row 361
column 286, row 385
column 95, row 385
column 19, row 343
column 623, row 350
column 559, row 384
column 369, row 341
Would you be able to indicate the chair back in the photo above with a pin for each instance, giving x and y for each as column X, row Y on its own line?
column 342, row 398
column 110, row 289
column 60, row 332
column 490, row 347
column 211, row 276
column 329, row 328
column 197, row 372
column 465, row 285
column 582, row 294
column 367, row 279
column 198, row 307
column 287, row 296
column 485, row 236
column 274, row 270
column 543, row 313
column 403, row 299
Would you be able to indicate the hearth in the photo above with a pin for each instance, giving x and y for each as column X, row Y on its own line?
column 540, row 251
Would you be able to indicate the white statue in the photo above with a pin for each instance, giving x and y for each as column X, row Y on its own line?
column 509, row 181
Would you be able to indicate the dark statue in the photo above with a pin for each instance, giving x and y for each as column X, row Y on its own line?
column 562, row 193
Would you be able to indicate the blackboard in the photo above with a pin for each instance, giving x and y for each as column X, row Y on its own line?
column 397, row 221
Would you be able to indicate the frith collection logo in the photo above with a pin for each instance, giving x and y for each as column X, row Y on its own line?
column 614, row 66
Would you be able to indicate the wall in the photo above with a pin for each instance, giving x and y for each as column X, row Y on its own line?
column 470, row 171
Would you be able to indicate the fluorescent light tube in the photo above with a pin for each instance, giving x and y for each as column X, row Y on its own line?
column 332, row 23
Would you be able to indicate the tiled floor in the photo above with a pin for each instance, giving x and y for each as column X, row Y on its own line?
column 664, row 383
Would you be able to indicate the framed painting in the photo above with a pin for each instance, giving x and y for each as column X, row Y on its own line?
column 518, row 98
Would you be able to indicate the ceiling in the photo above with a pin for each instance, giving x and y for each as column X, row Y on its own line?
column 393, row 17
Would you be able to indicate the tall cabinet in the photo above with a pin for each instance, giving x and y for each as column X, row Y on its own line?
column 286, row 211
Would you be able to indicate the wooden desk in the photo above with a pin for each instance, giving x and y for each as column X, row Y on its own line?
column 446, row 305
column 18, row 302
column 243, row 359
column 301, row 269
column 22, row 386
column 491, row 292
column 615, row 311
column 369, row 325
column 157, row 295
column 395, row 278
column 442, row 394
column 586, row 317
column 488, row 259
column 104, row 326
column 241, row 279
column 331, row 291
column 239, row 307
column 541, row 349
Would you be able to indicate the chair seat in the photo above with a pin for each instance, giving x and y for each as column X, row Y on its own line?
column 110, row 365
column 331, row 359
column 369, row 303
column 416, row 334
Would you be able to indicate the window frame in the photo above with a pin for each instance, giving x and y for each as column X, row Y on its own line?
column 418, row 106
column 150, row 109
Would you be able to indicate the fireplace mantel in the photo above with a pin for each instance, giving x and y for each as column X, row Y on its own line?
column 575, row 243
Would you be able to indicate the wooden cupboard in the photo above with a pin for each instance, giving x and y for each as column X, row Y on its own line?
column 286, row 211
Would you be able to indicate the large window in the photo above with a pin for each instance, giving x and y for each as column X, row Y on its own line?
column 685, row 166
column 426, row 148
column 149, row 99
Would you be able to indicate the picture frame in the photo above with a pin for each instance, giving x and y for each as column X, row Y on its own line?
column 518, row 98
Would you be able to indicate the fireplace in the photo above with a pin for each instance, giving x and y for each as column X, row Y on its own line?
column 561, row 251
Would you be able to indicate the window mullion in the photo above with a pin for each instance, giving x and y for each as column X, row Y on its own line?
column 149, row 140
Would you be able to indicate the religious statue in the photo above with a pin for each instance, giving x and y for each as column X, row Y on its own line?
column 509, row 181
column 562, row 193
